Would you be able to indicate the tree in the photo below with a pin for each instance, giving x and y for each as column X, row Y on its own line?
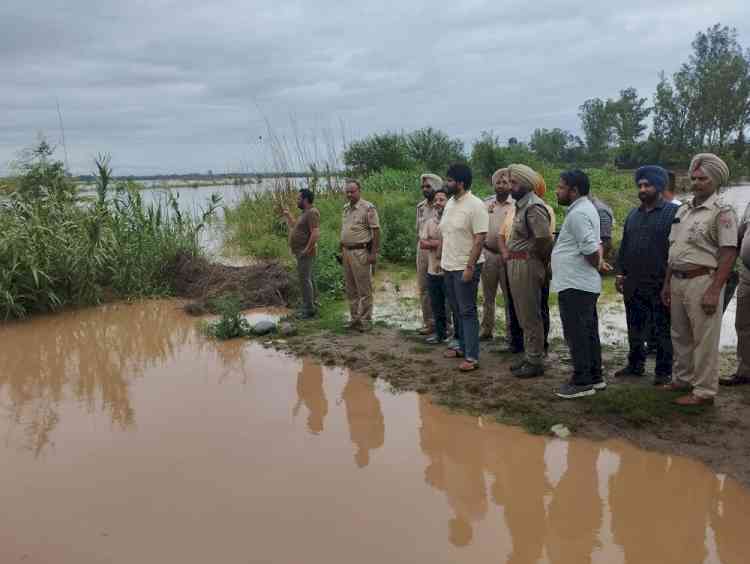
column 628, row 115
column 376, row 152
column 487, row 155
column 40, row 175
column 596, row 122
column 434, row 149
column 552, row 145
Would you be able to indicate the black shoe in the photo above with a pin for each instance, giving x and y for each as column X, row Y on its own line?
column 600, row 384
column 529, row 371
column 518, row 365
column 305, row 315
column 629, row 371
column 735, row 380
column 571, row 391
column 509, row 350
column 485, row 337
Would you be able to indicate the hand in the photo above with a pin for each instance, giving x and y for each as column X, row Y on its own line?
column 666, row 295
column 710, row 302
column 506, row 254
column 286, row 213
column 468, row 274
column 424, row 244
column 372, row 258
column 605, row 267
column 619, row 283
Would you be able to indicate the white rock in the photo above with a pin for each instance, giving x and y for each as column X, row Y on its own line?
column 560, row 430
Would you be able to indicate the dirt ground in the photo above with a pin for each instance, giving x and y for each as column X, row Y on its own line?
column 264, row 283
column 634, row 410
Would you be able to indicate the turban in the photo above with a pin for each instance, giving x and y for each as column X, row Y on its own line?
column 540, row 187
column 433, row 180
column 713, row 166
column 656, row 176
column 524, row 174
column 497, row 173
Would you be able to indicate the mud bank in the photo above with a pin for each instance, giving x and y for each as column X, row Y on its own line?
column 633, row 410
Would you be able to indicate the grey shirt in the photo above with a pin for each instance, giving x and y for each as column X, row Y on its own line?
column 579, row 236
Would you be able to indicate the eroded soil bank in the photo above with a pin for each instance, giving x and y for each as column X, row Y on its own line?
column 129, row 437
column 633, row 409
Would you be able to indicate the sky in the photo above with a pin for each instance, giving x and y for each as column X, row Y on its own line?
column 183, row 86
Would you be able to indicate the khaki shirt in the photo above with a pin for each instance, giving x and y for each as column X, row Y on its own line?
column 425, row 212
column 462, row 220
column 699, row 231
column 532, row 220
column 357, row 223
column 431, row 230
column 745, row 248
column 498, row 212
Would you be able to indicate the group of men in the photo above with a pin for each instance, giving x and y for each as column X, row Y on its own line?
column 671, row 267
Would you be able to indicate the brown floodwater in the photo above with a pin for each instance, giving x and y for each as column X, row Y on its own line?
column 128, row 437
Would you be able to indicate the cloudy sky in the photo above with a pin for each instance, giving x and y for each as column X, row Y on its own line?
column 179, row 86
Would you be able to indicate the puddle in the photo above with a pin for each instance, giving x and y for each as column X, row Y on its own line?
column 127, row 437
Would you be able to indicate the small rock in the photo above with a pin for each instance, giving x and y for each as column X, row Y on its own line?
column 560, row 431
column 287, row 329
column 264, row 327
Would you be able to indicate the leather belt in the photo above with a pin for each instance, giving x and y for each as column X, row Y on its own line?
column 687, row 274
column 518, row 255
column 355, row 247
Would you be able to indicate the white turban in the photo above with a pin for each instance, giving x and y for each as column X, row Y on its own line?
column 433, row 180
column 713, row 166
column 497, row 173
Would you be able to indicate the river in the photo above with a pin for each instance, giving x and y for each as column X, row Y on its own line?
column 129, row 437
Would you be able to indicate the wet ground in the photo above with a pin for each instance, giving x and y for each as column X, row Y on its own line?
column 128, row 437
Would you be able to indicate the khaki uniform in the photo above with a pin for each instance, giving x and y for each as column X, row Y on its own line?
column 425, row 212
column 742, row 320
column 527, row 274
column 357, row 224
column 694, row 242
column 493, row 272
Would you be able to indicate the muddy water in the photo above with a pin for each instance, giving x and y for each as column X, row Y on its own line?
column 127, row 437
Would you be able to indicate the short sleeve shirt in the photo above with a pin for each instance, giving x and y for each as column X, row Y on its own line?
column 357, row 223
column 497, row 212
column 431, row 230
column 532, row 220
column 300, row 233
column 425, row 212
column 699, row 231
column 462, row 219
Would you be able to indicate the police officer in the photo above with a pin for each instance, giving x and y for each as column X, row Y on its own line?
column 360, row 241
column 529, row 249
column 425, row 212
column 702, row 251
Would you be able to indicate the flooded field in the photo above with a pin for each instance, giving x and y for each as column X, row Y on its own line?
column 128, row 437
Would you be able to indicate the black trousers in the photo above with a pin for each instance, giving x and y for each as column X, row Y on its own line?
column 648, row 319
column 436, row 289
column 581, row 328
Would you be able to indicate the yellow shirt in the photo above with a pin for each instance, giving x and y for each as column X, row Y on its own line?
column 462, row 219
column 431, row 230
column 358, row 222
column 425, row 212
column 699, row 231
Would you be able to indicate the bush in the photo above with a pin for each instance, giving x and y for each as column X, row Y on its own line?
column 376, row 152
column 231, row 324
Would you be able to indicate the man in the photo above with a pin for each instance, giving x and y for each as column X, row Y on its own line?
column 742, row 319
column 576, row 259
column 464, row 227
column 641, row 266
column 702, row 251
column 304, row 234
column 499, row 207
column 606, row 223
column 425, row 212
column 360, row 241
column 431, row 242
column 529, row 248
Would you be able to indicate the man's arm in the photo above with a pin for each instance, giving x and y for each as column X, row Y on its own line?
column 374, row 246
column 476, row 250
column 710, row 302
column 666, row 289
column 314, row 238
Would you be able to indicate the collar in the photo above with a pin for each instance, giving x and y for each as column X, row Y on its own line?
column 350, row 206
column 421, row 204
column 574, row 204
column 523, row 202
column 709, row 203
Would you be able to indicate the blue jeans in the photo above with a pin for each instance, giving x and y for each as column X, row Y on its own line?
column 462, row 297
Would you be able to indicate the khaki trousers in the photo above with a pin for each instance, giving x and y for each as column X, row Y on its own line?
column 742, row 323
column 358, row 284
column 526, row 279
column 493, row 275
column 695, row 336
column 423, row 288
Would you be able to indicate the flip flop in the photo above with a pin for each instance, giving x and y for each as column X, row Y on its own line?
column 468, row 365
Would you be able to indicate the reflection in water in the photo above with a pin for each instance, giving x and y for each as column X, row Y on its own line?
column 365, row 418
column 311, row 393
column 214, row 458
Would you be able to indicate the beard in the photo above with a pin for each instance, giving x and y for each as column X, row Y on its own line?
column 450, row 190
column 647, row 198
column 517, row 195
column 300, row 205
column 428, row 194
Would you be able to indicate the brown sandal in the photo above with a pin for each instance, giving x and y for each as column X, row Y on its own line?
column 453, row 353
column 692, row 399
column 468, row 365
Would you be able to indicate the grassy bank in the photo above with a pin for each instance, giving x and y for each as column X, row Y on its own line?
column 256, row 228
column 56, row 250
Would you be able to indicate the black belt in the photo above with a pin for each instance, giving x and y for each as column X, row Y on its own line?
column 355, row 247
column 687, row 274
